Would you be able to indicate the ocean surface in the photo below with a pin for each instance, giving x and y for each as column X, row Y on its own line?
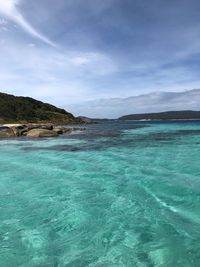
column 120, row 194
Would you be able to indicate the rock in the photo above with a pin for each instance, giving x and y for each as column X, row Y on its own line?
column 85, row 119
column 15, row 125
column 6, row 132
column 31, row 126
column 24, row 133
column 58, row 130
column 61, row 130
column 35, row 133
column 18, row 129
column 78, row 129
column 34, row 130
column 68, row 130
column 46, row 126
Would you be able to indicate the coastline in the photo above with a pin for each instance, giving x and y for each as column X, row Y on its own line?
column 161, row 120
column 35, row 130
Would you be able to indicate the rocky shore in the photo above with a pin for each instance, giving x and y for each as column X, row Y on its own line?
column 31, row 130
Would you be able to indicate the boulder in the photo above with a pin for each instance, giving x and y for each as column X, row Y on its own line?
column 24, row 132
column 6, row 132
column 67, row 130
column 18, row 129
column 58, row 130
column 46, row 126
column 35, row 133
column 17, row 125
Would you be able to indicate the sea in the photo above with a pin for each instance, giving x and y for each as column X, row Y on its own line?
column 119, row 194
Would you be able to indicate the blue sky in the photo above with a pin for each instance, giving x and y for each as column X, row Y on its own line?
column 69, row 52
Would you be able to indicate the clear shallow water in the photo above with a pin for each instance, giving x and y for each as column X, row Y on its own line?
column 119, row 194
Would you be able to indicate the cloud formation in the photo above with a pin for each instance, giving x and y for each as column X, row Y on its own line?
column 52, row 76
column 8, row 9
column 153, row 102
column 105, row 49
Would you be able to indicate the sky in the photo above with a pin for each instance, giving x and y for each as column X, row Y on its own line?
column 152, row 102
column 75, row 53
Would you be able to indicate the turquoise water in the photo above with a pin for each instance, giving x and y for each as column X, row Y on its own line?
column 118, row 195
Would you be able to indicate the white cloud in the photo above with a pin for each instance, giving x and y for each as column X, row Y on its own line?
column 93, row 63
column 152, row 102
column 79, row 60
column 31, row 45
column 8, row 9
column 57, row 77
column 3, row 22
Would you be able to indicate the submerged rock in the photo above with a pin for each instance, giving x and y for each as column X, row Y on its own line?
column 77, row 129
column 35, row 133
column 6, row 132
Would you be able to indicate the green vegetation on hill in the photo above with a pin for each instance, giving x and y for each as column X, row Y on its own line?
column 26, row 109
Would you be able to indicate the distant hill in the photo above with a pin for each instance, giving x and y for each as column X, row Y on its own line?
column 26, row 109
column 168, row 115
column 85, row 119
column 139, row 104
